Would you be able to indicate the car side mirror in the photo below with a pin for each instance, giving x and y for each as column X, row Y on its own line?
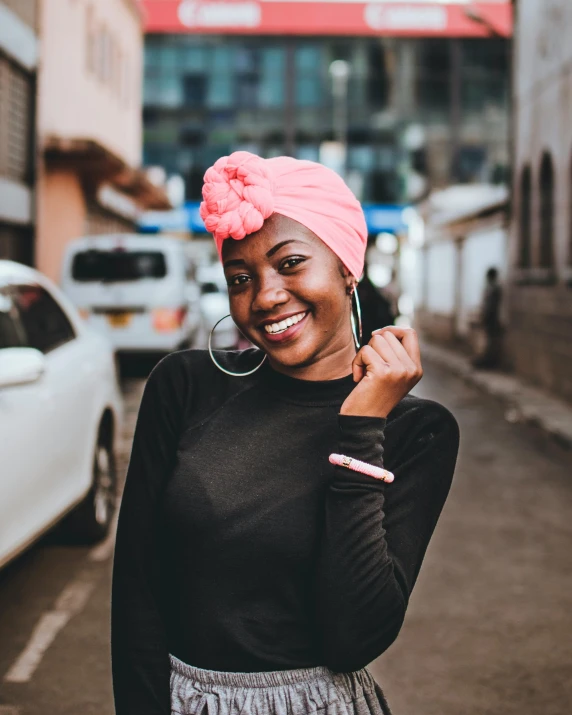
column 20, row 366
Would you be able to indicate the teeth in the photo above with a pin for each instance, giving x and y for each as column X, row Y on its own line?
column 284, row 324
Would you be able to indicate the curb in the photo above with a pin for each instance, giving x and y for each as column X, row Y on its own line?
column 523, row 403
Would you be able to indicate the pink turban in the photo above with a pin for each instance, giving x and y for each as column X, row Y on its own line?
column 242, row 190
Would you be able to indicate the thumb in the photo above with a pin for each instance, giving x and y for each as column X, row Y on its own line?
column 365, row 359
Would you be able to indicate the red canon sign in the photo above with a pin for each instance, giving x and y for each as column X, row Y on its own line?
column 423, row 18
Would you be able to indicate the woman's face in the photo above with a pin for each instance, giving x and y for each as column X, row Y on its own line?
column 289, row 295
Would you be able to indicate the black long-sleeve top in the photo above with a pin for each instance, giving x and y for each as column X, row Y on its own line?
column 241, row 548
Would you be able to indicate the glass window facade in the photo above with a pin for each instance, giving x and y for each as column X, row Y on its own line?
column 206, row 96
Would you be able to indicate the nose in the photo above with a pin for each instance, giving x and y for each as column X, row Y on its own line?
column 270, row 293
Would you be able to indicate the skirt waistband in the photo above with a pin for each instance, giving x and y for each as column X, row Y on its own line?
column 269, row 679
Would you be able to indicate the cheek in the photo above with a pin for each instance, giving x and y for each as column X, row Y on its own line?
column 239, row 309
column 327, row 295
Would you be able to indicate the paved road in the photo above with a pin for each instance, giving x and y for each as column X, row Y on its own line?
column 73, row 676
column 489, row 626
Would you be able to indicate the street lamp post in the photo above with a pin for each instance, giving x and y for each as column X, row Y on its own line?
column 340, row 73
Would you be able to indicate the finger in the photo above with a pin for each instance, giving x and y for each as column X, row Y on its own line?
column 383, row 348
column 408, row 338
column 366, row 359
column 399, row 350
column 398, row 330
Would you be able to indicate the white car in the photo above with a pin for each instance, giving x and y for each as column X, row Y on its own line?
column 135, row 289
column 60, row 414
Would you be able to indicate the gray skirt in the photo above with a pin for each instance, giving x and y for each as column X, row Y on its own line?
column 282, row 692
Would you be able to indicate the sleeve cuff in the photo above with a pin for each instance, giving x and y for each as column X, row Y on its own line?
column 362, row 438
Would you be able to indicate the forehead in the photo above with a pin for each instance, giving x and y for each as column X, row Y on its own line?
column 276, row 228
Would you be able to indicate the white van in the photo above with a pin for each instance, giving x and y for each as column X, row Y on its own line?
column 135, row 289
column 215, row 306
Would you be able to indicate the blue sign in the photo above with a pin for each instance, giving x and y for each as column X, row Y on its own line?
column 379, row 217
column 195, row 221
column 384, row 217
column 185, row 218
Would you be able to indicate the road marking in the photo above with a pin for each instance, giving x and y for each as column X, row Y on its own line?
column 75, row 595
column 70, row 602
column 43, row 635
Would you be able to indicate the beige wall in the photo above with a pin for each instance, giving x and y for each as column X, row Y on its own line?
column 89, row 88
column 543, row 108
column 91, row 72
column 61, row 216
column 540, row 310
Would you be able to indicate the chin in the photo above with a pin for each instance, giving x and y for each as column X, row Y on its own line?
column 293, row 356
column 300, row 352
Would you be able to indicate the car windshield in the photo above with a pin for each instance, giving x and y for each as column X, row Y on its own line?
column 117, row 266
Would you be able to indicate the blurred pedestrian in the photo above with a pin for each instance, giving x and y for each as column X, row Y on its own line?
column 490, row 322
column 265, row 554
column 392, row 291
column 376, row 308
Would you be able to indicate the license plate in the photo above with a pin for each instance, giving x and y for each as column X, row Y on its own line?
column 119, row 320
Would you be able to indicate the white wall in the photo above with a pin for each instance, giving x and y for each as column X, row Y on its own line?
column 411, row 278
column 441, row 278
column 480, row 251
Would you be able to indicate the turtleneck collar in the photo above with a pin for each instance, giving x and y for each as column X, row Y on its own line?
column 316, row 392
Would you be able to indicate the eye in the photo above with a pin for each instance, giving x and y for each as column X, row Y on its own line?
column 237, row 280
column 292, row 261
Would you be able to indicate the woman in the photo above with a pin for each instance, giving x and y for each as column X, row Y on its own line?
column 256, row 572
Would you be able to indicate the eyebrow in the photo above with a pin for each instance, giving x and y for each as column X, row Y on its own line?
column 269, row 254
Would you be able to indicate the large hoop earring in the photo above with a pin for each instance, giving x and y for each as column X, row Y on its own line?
column 220, row 367
column 356, row 325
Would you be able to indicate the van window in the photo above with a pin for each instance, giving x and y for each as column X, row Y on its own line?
column 118, row 265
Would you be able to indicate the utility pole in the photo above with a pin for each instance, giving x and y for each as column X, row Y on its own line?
column 340, row 73
column 290, row 100
column 455, row 109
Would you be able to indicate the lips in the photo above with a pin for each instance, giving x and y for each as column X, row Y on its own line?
column 279, row 326
column 288, row 327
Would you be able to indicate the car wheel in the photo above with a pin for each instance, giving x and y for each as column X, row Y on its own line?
column 91, row 520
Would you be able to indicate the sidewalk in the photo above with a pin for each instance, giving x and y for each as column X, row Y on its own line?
column 523, row 403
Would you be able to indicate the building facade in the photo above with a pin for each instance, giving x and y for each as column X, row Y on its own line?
column 540, row 277
column 18, row 65
column 426, row 99
column 464, row 233
column 89, row 179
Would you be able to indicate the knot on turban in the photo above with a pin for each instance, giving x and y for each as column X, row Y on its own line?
column 242, row 190
column 237, row 196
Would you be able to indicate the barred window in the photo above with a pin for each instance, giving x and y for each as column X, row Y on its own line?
column 15, row 121
column 546, row 222
column 525, row 218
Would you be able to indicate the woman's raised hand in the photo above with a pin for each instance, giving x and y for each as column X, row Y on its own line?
column 386, row 369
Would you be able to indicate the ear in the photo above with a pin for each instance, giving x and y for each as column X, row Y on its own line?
column 350, row 281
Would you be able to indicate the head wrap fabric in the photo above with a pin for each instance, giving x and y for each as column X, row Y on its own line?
column 242, row 190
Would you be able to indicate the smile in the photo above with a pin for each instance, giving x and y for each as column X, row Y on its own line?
column 283, row 325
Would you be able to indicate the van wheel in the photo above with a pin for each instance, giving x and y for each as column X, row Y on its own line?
column 91, row 519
